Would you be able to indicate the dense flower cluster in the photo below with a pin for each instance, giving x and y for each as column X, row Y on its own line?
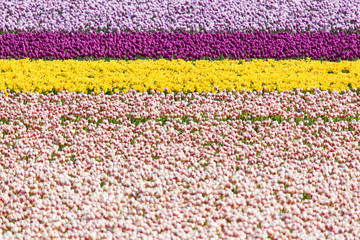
column 177, row 75
column 186, row 166
column 325, row 46
column 186, row 15
column 176, row 144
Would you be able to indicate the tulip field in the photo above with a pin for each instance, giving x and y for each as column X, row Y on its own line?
column 182, row 119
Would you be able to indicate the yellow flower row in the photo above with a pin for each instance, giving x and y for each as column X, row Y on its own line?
column 176, row 75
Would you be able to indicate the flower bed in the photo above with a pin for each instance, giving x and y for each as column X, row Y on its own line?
column 188, row 46
column 201, row 76
column 191, row 166
column 185, row 15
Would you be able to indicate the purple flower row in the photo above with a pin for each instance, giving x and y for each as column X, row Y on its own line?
column 326, row 46
column 185, row 15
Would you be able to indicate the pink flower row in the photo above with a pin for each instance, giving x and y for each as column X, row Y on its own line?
column 76, row 165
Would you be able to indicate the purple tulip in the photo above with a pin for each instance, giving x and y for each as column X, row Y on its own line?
column 181, row 45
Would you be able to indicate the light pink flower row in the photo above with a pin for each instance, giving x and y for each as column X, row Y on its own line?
column 76, row 165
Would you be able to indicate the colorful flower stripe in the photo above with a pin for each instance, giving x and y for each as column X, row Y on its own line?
column 156, row 166
column 169, row 15
column 177, row 75
column 325, row 46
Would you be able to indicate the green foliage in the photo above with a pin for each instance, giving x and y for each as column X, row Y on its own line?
column 306, row 197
